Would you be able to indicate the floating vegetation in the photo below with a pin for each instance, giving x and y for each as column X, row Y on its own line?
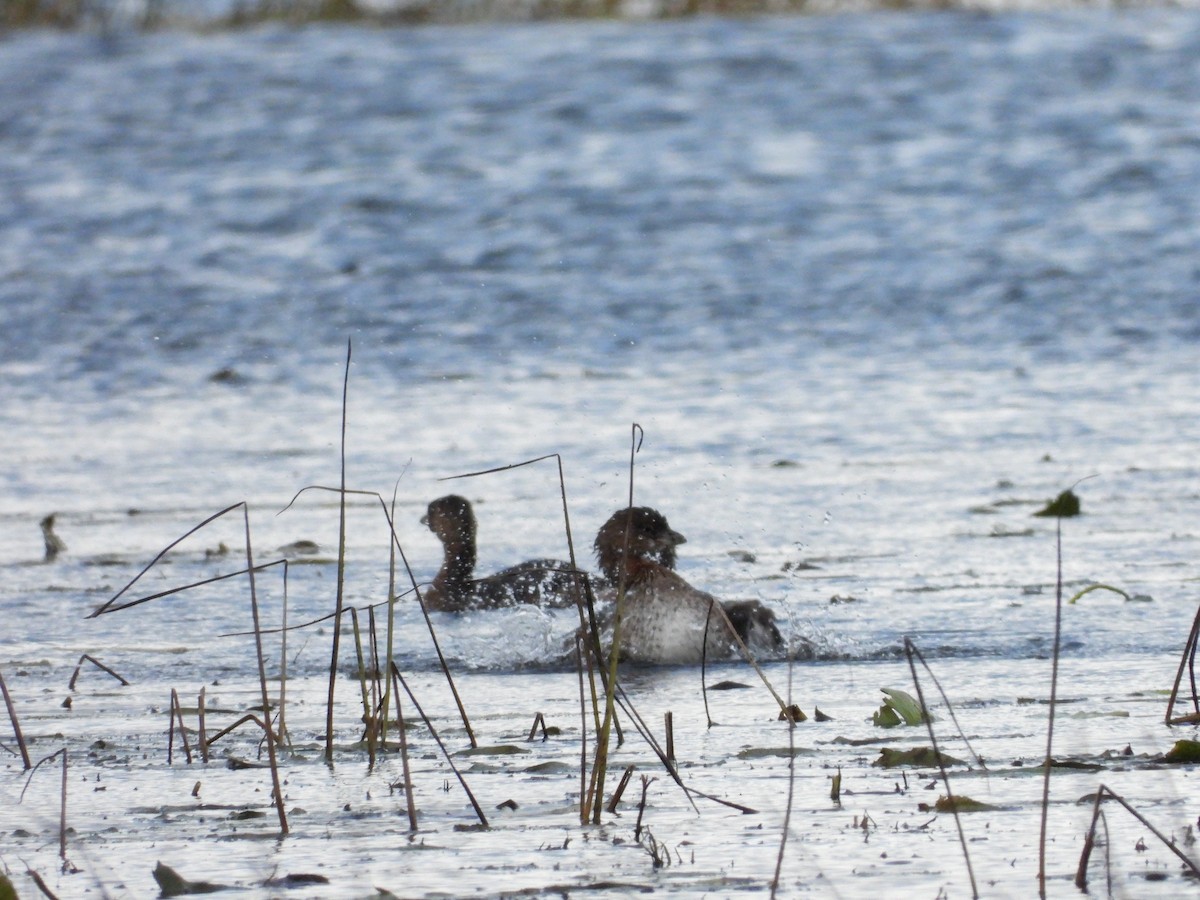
column 900, row 708
column 1063, row 506
column 917, row 757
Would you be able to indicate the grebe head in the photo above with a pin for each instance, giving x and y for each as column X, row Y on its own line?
column 650, row 539
column 451, row 519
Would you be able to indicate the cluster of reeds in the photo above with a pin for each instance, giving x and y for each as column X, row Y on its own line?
column 604, row 704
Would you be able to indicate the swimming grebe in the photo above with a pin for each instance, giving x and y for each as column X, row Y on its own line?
column 664, row 617
column 546, row 582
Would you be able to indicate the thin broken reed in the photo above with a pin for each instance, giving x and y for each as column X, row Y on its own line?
column 16, row 725
column 62, row 813
column 368, row 717
column 62, row 816
column 99, row 665
column 1187, row 660
column 1058, row 604
column 787, row 814
column 446, row 753
column 669, row 728
column 1090, row 839
column 229, row 729
column 202, row 732
column 595, row 793
column 385, row 704
column 584, row 601
column 341, row 571
column 176, row 721
column 395, row 541
column 621, row 785
column 277, row 789
column 640, row 726
column 910, row 650
column 404, row 763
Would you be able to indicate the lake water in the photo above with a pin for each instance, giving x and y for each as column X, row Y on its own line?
column 875, row 287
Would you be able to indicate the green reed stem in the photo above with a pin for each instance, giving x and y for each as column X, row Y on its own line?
column 341, row 572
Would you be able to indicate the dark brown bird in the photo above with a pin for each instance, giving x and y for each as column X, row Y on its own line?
column 544, row 582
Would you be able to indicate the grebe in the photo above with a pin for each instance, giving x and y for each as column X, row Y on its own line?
column 545, row 582
column 664, row 617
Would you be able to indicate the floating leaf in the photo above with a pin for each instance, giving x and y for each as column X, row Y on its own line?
column 496, row 750
column 172, row 884
column 886, row 717
column 961, row 803
column 920, row 757
column 765, row 752
column 899, row 707
column 1063, row 506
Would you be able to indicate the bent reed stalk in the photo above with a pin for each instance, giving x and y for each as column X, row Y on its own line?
column 16, row 725
column 910, row 650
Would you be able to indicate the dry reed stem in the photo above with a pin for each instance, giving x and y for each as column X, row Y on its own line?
column 395, row 542
column 1104, row 790
column 621, row 785
column 669, row 728
column 62, row 813
column 640, row 726
column 584, row 599
column 99, row 665
column 428, row 724
column 408, row 782
column 41, row 884
column 1058, row 604
column 281, row 727
column 176, row 721
column 110, row 605
column 539, row 721
column 787, row 815
column 369, row 732
column 16, row 725
column 911, row 651
column 341, row 570
column 914, row 651
column 1186, row 660
column 637, row 828
column 600, row 766
column 375, row 673
column 201, row 740
column 385, row 706
column 248, row 717
column 262, row 678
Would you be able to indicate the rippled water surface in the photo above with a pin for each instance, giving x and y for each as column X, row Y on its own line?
column 876, row 287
